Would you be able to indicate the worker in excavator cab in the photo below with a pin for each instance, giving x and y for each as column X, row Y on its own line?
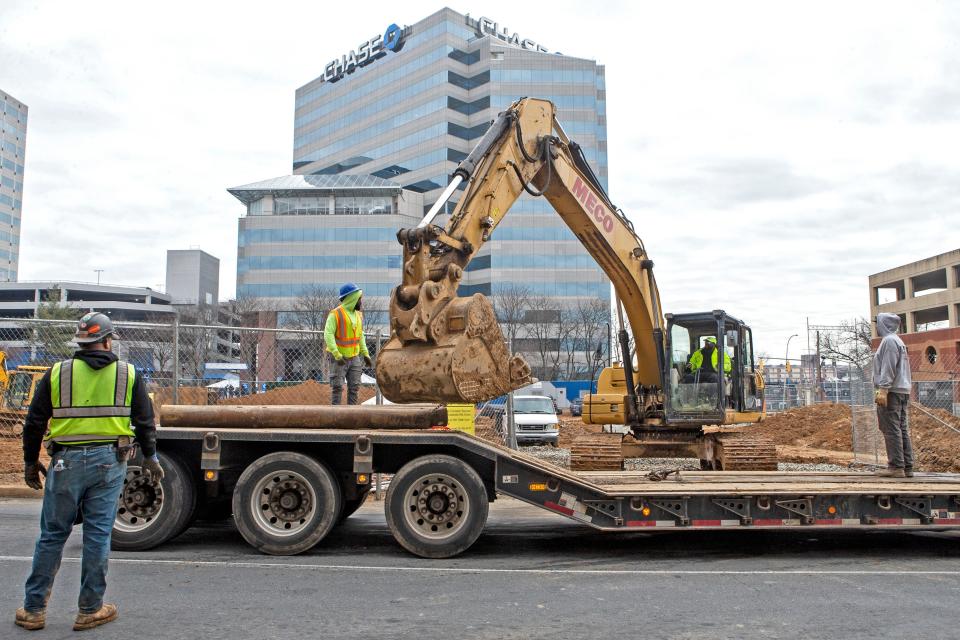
column 703, row 362
column 343, row 335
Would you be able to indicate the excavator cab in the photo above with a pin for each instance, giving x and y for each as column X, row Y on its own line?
column 710, row 371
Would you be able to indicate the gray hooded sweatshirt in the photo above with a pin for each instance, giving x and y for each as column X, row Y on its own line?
column 891, row 367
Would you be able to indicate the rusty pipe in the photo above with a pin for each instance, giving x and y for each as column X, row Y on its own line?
column 304, row 416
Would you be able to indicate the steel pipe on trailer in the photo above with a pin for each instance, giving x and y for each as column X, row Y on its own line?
column 304, row 416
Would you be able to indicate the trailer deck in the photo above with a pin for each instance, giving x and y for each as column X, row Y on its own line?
column 627, row 500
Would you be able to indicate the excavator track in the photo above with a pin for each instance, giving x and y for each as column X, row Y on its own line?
column 744, row 452
column 597, row 452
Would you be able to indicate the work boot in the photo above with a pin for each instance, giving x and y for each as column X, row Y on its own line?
column 894, row 472
column 106, row 613
column 908, row 473
column 31, row 620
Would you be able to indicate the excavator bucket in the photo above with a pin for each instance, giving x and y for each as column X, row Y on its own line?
column 456, row 355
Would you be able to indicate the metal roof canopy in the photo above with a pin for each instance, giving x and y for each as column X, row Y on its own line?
column 295, row 185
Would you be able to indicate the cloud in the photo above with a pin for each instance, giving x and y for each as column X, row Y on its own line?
column 770, row 158
column 727, row 182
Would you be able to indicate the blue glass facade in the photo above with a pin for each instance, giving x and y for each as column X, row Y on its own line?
column 411, row 116
column 396, row 128
column 13, row 142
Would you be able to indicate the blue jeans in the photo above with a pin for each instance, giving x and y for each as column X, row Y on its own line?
column 89, row 480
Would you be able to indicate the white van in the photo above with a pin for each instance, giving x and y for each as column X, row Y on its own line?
column 536, row 419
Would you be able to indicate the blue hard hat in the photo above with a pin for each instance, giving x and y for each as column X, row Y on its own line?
column 347, row 289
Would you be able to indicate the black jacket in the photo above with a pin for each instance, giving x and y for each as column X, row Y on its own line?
column 41, row 409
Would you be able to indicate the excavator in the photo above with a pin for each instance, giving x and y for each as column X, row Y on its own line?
column 16, row 392
column 445, row 348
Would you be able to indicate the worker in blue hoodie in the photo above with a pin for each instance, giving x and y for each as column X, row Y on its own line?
column 891, row 378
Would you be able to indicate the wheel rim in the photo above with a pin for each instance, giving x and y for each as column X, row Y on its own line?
column 141, row 502
column 436, row 506
column 283, row 503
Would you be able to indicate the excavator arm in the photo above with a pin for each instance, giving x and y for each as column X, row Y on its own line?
column 444, row 348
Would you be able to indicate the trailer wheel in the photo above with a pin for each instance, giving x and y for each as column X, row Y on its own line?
column 436, row 506
column 149, row 514
column 285, row 503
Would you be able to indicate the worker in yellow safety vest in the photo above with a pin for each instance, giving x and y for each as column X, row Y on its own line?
column 84, row 408
column 704, row 361
column 343, row 335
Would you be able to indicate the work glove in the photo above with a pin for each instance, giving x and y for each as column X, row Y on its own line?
column 152, row 469
column 31, row 474
column 881, row 397
column 367, row 361
column 338, row 358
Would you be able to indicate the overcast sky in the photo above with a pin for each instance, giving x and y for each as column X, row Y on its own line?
column 771, row 154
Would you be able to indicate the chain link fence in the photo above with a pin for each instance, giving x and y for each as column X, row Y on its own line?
column 934, row 398
column 182, row 363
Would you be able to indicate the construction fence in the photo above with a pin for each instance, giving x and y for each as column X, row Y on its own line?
column 934, row 400
column 184, row 363
column 218, row 364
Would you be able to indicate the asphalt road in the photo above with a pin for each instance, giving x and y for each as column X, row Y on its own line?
column 531, row 575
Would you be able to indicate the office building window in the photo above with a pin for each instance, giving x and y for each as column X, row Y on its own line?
column 363, row 205
column 302, row 206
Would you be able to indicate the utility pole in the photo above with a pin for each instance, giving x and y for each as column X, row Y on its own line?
column 98, row 272
column 819, row 371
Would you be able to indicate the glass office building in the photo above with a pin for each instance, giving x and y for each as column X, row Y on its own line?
column 409, row 106
column 303, row 235
column 13, row 142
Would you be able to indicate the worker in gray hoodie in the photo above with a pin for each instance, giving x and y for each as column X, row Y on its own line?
column 891, row 378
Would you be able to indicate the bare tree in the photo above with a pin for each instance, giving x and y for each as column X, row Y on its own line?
column 310, row 310
column 159, row 340
column 511, row 303
column 572, row 343
column 247, row 312
column 850, row 344
column 592, row 318
column 544, row 323
column 310, row 313
column 54, row 340
column 196, row 343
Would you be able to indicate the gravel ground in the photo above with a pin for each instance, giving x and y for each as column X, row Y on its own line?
column 561, row 458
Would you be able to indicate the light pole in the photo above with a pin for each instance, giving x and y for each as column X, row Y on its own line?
column 609, row 347
column 98, row 272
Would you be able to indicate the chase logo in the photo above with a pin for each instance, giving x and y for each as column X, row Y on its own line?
column 369, row 51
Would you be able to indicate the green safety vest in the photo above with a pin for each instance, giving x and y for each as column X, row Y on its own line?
column 696, row 361
column 90, row 405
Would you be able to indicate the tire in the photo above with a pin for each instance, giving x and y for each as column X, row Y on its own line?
column 446, row 521
column 350, row 507
column 285, row 503
column 147, row 518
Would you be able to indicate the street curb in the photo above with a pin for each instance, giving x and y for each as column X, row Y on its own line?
column 19, row 491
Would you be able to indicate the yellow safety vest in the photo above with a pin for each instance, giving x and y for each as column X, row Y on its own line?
column 90, row 405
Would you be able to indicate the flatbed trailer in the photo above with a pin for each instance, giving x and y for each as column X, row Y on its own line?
column 287, row 488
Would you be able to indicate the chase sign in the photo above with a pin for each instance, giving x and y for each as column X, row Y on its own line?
column 369, row 51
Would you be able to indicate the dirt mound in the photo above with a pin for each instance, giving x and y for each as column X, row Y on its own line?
column 11, row 458
column 829, row 427
column 573, row 427
column 819, row 426
column 309, row 392
column 935, row 446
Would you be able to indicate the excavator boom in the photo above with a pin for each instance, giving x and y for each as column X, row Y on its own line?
column 444, row 348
